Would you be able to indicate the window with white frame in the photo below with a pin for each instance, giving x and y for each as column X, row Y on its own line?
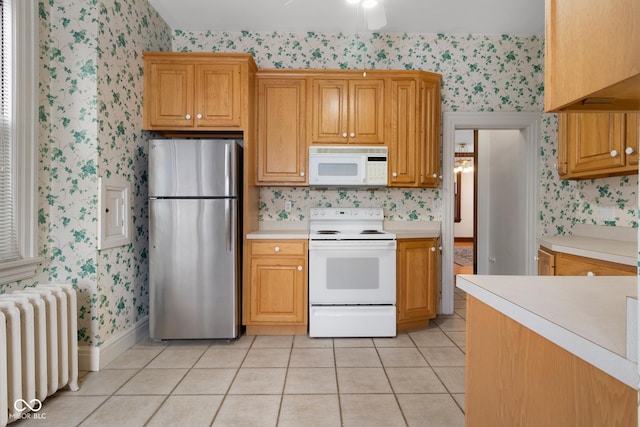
column 18, row 140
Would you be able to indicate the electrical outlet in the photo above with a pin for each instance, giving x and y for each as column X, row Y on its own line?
column 287, row 206
column 607, row 213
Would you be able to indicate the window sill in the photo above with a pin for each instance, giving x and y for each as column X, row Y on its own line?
column 19, row 270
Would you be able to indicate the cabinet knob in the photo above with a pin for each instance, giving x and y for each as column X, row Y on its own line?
column 188, row 117
column 299, row 268
column 277, row 249
column 629, row 150
column 440, row 248
column 435, row 175
column 439, row 176
column 301, row 173
column 591, row 273
column 614, row 153
column 433, row 249
column 199, row 116
column 394, row 174
column 353, row 134
column 344, row 134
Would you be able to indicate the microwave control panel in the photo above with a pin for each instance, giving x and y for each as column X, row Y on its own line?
column 376, row 173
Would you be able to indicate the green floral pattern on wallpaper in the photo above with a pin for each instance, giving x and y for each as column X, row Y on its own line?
column 480, row 73
column 90, row 126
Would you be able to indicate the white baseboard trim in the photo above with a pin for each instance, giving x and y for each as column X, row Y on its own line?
column 95, row 358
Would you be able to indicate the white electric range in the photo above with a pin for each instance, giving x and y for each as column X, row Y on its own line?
column 352, row 274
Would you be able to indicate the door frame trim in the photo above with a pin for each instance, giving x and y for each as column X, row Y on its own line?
column 529, row 125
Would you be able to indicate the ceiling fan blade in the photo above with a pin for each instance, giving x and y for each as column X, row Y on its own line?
column 376, row 17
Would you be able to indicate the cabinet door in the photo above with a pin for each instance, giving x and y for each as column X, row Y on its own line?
column 429, row 139
column 329, row 111
column 632, row 139
column 418, row 273
column 573, row 265
column 278, row 290
column 282, row 154
column 218, row 94
column 592, row 138
column 403, row 146
column 170, row 88
column 546, row 263
column 366, row 111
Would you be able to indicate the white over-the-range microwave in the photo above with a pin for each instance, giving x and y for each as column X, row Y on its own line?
column 348, row 166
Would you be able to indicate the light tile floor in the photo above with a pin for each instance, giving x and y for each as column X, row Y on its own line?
column 415, row 379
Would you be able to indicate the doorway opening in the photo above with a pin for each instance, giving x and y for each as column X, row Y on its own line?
column 527, row 129
column 465, row 201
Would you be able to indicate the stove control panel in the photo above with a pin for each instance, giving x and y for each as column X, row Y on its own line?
column 347, row 213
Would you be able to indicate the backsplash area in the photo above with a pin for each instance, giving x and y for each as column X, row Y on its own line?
column 398, row 204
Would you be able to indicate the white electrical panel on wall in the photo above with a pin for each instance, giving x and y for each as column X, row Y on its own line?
column 114, row 216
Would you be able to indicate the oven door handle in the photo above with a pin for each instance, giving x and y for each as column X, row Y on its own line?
column 352, row 244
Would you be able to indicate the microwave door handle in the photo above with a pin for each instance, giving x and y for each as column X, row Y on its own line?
column 363, row 168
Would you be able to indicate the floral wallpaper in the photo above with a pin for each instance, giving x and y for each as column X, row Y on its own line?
column 90, row 127
column 480, row 73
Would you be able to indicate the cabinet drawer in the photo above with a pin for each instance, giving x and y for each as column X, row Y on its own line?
column 572, row 265
column 279, row 247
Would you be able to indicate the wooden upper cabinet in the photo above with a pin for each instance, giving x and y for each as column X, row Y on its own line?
column 430, row 173
column 593, row 145
column 592, row 60
column 282, row 152
column 414, row 131
column 218, row 95
column 186, row 91
column 347, row 111
column 403, row 132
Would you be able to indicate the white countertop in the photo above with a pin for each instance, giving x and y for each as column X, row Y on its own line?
column 584, row 315
column 300, row 229
column 614, row 244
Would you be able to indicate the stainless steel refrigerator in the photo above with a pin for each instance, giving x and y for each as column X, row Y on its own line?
column 194, row 238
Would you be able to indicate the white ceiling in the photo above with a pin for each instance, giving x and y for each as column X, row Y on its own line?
column 523, row 17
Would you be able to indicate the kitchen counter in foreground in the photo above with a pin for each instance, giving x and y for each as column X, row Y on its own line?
column 548, row 351
column 584, row 315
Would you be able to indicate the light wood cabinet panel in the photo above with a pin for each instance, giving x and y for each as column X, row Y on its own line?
column 169, row 94
column 414, row 131
column 186, row 91
column 347, row 111
column 218, row 95
column 573, row 265
column 593, row 145
column 591, row 55
column 404, row 132
column 418, row 282
column 282, row 151
column 515, row 377
column 430, row 173
column 546, row 263
column 277, row 286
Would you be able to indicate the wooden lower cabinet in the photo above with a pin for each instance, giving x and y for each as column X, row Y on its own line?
column 515, row 377
column 546, row 263
column 552, row 263
column 277, row 299
column 418, row 282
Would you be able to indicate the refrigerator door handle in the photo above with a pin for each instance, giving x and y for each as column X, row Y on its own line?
column 228, row 207
column 228, row 154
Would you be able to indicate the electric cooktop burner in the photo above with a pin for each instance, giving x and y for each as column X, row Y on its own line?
column 371, row 232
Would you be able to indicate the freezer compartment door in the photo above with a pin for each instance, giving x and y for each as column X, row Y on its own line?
column 194, row 168
column 194, row 263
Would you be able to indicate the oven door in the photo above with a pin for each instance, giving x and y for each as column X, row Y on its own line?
column 343, row 272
